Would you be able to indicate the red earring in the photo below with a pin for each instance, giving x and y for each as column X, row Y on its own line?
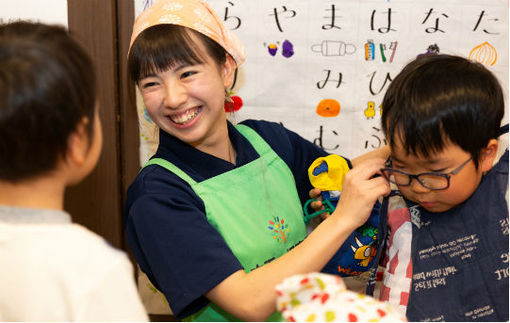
column 232, row 102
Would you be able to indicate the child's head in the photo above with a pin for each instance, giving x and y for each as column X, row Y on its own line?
column 442, row 112
column 47, row 94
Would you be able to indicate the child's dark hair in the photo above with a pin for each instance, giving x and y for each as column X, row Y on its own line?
column 163, row 46
column 47, row 86
column 437, row 99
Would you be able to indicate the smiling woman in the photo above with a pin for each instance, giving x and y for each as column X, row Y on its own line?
column 215, row 217
column 188, row 92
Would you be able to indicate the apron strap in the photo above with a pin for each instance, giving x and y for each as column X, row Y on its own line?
column 260, row 145
column 171, row 167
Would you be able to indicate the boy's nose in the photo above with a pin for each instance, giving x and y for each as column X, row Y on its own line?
column 417, row 187
column 175, row 94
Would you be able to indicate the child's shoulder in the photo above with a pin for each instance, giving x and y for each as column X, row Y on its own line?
column 77, row 243
column 502, row 164
column 496, row 180
column 61, row 248
column 80, row 254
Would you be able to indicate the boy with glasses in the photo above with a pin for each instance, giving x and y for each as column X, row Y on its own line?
column 446, row 222
column 433, row 181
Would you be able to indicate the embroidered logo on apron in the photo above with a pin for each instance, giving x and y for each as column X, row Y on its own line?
column 280, row 229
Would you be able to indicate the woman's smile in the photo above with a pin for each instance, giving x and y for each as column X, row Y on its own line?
column 186, row 117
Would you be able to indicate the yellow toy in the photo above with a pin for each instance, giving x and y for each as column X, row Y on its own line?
column 356, row 255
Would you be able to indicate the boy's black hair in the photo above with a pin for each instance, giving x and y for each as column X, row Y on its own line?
column 164, row 46
column 437, row 99
column 47, row 86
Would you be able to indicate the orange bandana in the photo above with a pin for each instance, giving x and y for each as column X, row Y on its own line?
column 194, row 14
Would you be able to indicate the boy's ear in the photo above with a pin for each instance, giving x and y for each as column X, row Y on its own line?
column 228, row 70
column 488, row 155
column 78, row 143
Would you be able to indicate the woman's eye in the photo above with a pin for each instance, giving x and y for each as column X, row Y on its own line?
column 148, row 85
column 187, row 74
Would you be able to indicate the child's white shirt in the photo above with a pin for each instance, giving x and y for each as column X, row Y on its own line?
column 53, row 270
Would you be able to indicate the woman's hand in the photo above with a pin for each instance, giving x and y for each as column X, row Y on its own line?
column 251, row 296
column 360, row 191
column 315, row 193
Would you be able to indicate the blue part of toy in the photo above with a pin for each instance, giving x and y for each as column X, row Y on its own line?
column 357, row 254
column 322, row 168
column 331, row 196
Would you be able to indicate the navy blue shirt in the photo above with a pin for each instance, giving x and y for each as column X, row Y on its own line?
column 166, row 226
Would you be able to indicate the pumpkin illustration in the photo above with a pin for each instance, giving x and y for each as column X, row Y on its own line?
column 328, row 108
column 484, row 53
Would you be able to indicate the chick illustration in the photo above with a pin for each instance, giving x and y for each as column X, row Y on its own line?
column 370, row 110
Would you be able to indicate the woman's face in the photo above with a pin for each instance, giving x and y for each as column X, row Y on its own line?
column 187, row 101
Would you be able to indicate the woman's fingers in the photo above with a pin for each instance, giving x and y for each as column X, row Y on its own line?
column 361, row 189
column 317, row 205
column 314, row 193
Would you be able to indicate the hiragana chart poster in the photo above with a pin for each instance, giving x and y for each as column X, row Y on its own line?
column 321, row 67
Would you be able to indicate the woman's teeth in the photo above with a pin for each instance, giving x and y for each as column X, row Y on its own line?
column 186, row 116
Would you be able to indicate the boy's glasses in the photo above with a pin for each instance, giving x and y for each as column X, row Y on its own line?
column 432, row 181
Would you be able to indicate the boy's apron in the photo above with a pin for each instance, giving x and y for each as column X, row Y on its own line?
column 255, row 208
column 460, row 257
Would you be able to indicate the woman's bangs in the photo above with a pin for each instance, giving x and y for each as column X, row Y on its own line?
column 157, row 50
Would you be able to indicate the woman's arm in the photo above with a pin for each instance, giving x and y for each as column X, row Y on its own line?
column 252, row 296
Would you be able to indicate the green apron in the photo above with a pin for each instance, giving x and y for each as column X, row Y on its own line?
column 255, row 208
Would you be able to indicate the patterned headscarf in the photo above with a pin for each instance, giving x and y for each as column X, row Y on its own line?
column 194, row 14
